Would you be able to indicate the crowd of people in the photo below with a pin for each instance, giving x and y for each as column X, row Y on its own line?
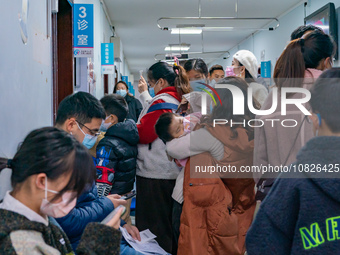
column 66, row 179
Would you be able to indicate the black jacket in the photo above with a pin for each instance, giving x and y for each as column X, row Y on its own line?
column 118, row 151
column 302, row 215
column 135, row 107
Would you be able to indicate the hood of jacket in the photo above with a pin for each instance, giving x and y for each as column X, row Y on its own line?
column 126, row 130
column 311, row 75
column 323, row 152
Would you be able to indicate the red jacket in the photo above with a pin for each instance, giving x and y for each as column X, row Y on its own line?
column 146, row 128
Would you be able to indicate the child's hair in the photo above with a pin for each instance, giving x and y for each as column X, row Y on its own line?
column 162, row 126
column 54, row 152
column 116, row 105
column 198, row 65
column 82, row 106
column 325, row 98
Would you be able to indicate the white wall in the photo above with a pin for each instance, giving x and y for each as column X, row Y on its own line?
column 274, row 42
column 26, row 73
column 25, row 76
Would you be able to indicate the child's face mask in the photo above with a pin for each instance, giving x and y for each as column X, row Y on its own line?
column 105, row 126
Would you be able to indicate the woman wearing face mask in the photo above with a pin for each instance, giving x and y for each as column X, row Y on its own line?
column 156, row 175
column 303, row 61
column 286, row 216
column 49, row 171
column 218, row 207
column 135, row 107
column 244, row 65
column 197, row 72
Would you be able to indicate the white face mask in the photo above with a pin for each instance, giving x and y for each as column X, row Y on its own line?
column 60, row 209
column 213, row 83
column 105, row 126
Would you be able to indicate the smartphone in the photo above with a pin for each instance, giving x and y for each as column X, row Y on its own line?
column 129, row 195
column 113, row 213
column 140, row 73
column 182, row 108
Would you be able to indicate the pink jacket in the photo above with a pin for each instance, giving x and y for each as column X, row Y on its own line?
column 279, row 145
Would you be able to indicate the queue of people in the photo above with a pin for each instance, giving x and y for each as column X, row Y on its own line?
column 62, row 191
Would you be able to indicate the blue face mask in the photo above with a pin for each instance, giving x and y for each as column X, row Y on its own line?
column 197, row 85
column 89, row 140
column 152, row 92
column 121, row 92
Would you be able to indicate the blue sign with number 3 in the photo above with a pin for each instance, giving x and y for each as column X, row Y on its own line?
column 83, row 30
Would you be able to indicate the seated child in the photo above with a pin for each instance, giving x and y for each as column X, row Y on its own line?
column 117, row 151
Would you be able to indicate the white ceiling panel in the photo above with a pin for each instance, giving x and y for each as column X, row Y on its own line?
column 135, row 22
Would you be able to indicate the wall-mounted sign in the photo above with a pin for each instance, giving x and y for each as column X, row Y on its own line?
column 107, row 58
column 125, row 79
column 131, row 89
column 266, row 69
column 83, row 30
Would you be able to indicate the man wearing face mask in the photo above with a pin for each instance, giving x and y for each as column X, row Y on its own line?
column 216, row 73
column 81, row 115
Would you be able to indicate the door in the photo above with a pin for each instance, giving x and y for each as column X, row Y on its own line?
column 62, row 24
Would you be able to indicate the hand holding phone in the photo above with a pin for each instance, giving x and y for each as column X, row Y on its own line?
column 129, row 195
column 114, row 217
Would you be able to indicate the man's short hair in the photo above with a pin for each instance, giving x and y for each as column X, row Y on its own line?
column 82, row 106
column 214, row 68
column 301, row 30
column 116, row 105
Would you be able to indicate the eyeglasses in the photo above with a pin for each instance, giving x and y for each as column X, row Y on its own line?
column 92, row 132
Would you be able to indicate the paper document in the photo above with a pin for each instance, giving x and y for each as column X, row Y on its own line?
column 148, row 245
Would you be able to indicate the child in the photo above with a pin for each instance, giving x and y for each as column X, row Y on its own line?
column 301, row 215
column 117, row 151
column 170, row 126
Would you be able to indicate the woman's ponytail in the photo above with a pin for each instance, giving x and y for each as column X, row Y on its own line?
column 301, row 54
column 181, row 82
column 5, row 163
column 290, row 67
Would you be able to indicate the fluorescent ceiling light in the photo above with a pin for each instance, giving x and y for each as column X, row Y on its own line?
column 177, row 47
column 186, row 31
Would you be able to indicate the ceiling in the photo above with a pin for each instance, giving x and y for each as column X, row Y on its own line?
column 135, row 22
